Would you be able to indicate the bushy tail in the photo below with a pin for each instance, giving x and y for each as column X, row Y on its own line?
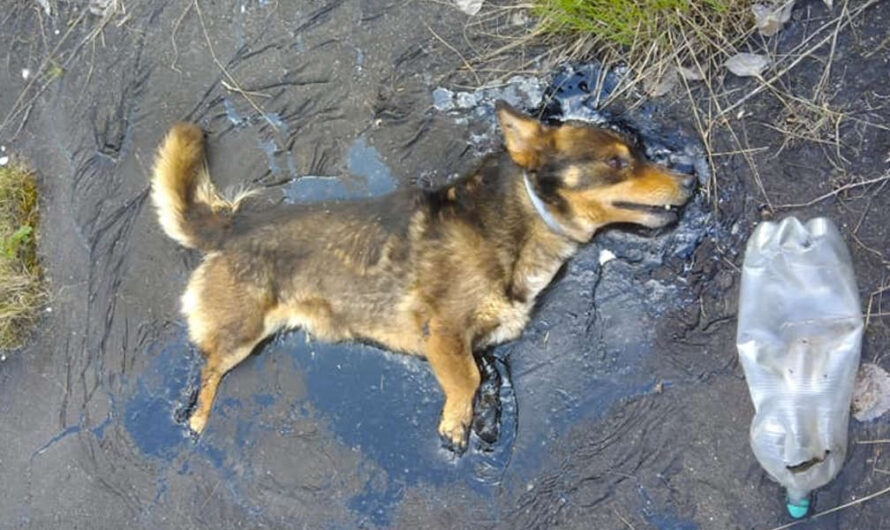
column 189, row 208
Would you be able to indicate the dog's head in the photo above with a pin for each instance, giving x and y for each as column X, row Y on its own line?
column 592, row 177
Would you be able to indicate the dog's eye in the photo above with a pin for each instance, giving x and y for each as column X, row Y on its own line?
column 616, row 162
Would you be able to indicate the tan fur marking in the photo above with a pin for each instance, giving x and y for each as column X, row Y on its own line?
column 451, row 359
column 621, row 149
column 314, row 316
column 572, row 176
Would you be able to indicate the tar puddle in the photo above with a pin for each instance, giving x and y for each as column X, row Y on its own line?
column 584, row 350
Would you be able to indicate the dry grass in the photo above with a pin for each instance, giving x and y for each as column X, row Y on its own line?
column 637, row 31
column 22, row 289
column 643, row 34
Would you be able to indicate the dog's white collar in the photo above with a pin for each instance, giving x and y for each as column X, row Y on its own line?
column 555, row 226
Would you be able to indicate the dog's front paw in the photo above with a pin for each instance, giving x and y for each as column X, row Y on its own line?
column 455, row 425
column 197, row 423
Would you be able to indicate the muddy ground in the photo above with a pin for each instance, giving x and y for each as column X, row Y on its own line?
column 622, row 405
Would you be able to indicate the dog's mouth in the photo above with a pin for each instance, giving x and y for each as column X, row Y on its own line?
column 653, row 209
column 655, row 215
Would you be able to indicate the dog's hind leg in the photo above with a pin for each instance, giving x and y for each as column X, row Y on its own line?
column 215, row 367
column 451, row 358
column 226, row 321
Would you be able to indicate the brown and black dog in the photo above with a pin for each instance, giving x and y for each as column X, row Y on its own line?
column 437, row 274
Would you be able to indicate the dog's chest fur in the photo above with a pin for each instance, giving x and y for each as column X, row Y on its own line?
column 534, row 271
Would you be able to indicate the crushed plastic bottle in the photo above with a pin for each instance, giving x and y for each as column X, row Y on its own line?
column 799, row 339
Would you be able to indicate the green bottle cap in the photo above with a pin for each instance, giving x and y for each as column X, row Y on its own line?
column 798, row 509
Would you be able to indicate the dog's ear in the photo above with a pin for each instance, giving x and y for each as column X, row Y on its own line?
column 526, row 137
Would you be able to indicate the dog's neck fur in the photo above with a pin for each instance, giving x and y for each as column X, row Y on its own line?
column 544, row 213
column 545, row 250
column 531, row 250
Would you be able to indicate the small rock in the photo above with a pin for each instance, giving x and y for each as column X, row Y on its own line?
column 47, row 8
column 443, row 99
column 690, row 74
column 470, row 7
column 769, row 20
column 26, row 74
column 658, row 83
column 520, row 18
column 4, row 160
column 467, row 100
column 103, row 8
column 871, row 397
column 747, row 64
column 606, row 256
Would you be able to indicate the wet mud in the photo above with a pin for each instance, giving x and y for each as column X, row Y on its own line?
column 621, row 405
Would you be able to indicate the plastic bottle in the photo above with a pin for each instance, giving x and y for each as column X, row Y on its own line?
column 799, row 339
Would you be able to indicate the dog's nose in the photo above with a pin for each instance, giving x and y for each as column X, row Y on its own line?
column 687, row 182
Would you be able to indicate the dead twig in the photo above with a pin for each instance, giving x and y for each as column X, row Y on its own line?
column 173, row 37
column 871, row 300
column 720, row 112
column 742, row 151
column 835, row 509
column 16, row 106
column 226, row 72
column 452, row 48
column 625, row 521
column 245, row 93
column 802, row 56
column 835, row 192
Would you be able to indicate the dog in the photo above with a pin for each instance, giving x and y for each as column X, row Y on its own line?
column 434, row 273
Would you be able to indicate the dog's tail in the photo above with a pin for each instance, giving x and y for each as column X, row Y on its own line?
column 189, row 208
